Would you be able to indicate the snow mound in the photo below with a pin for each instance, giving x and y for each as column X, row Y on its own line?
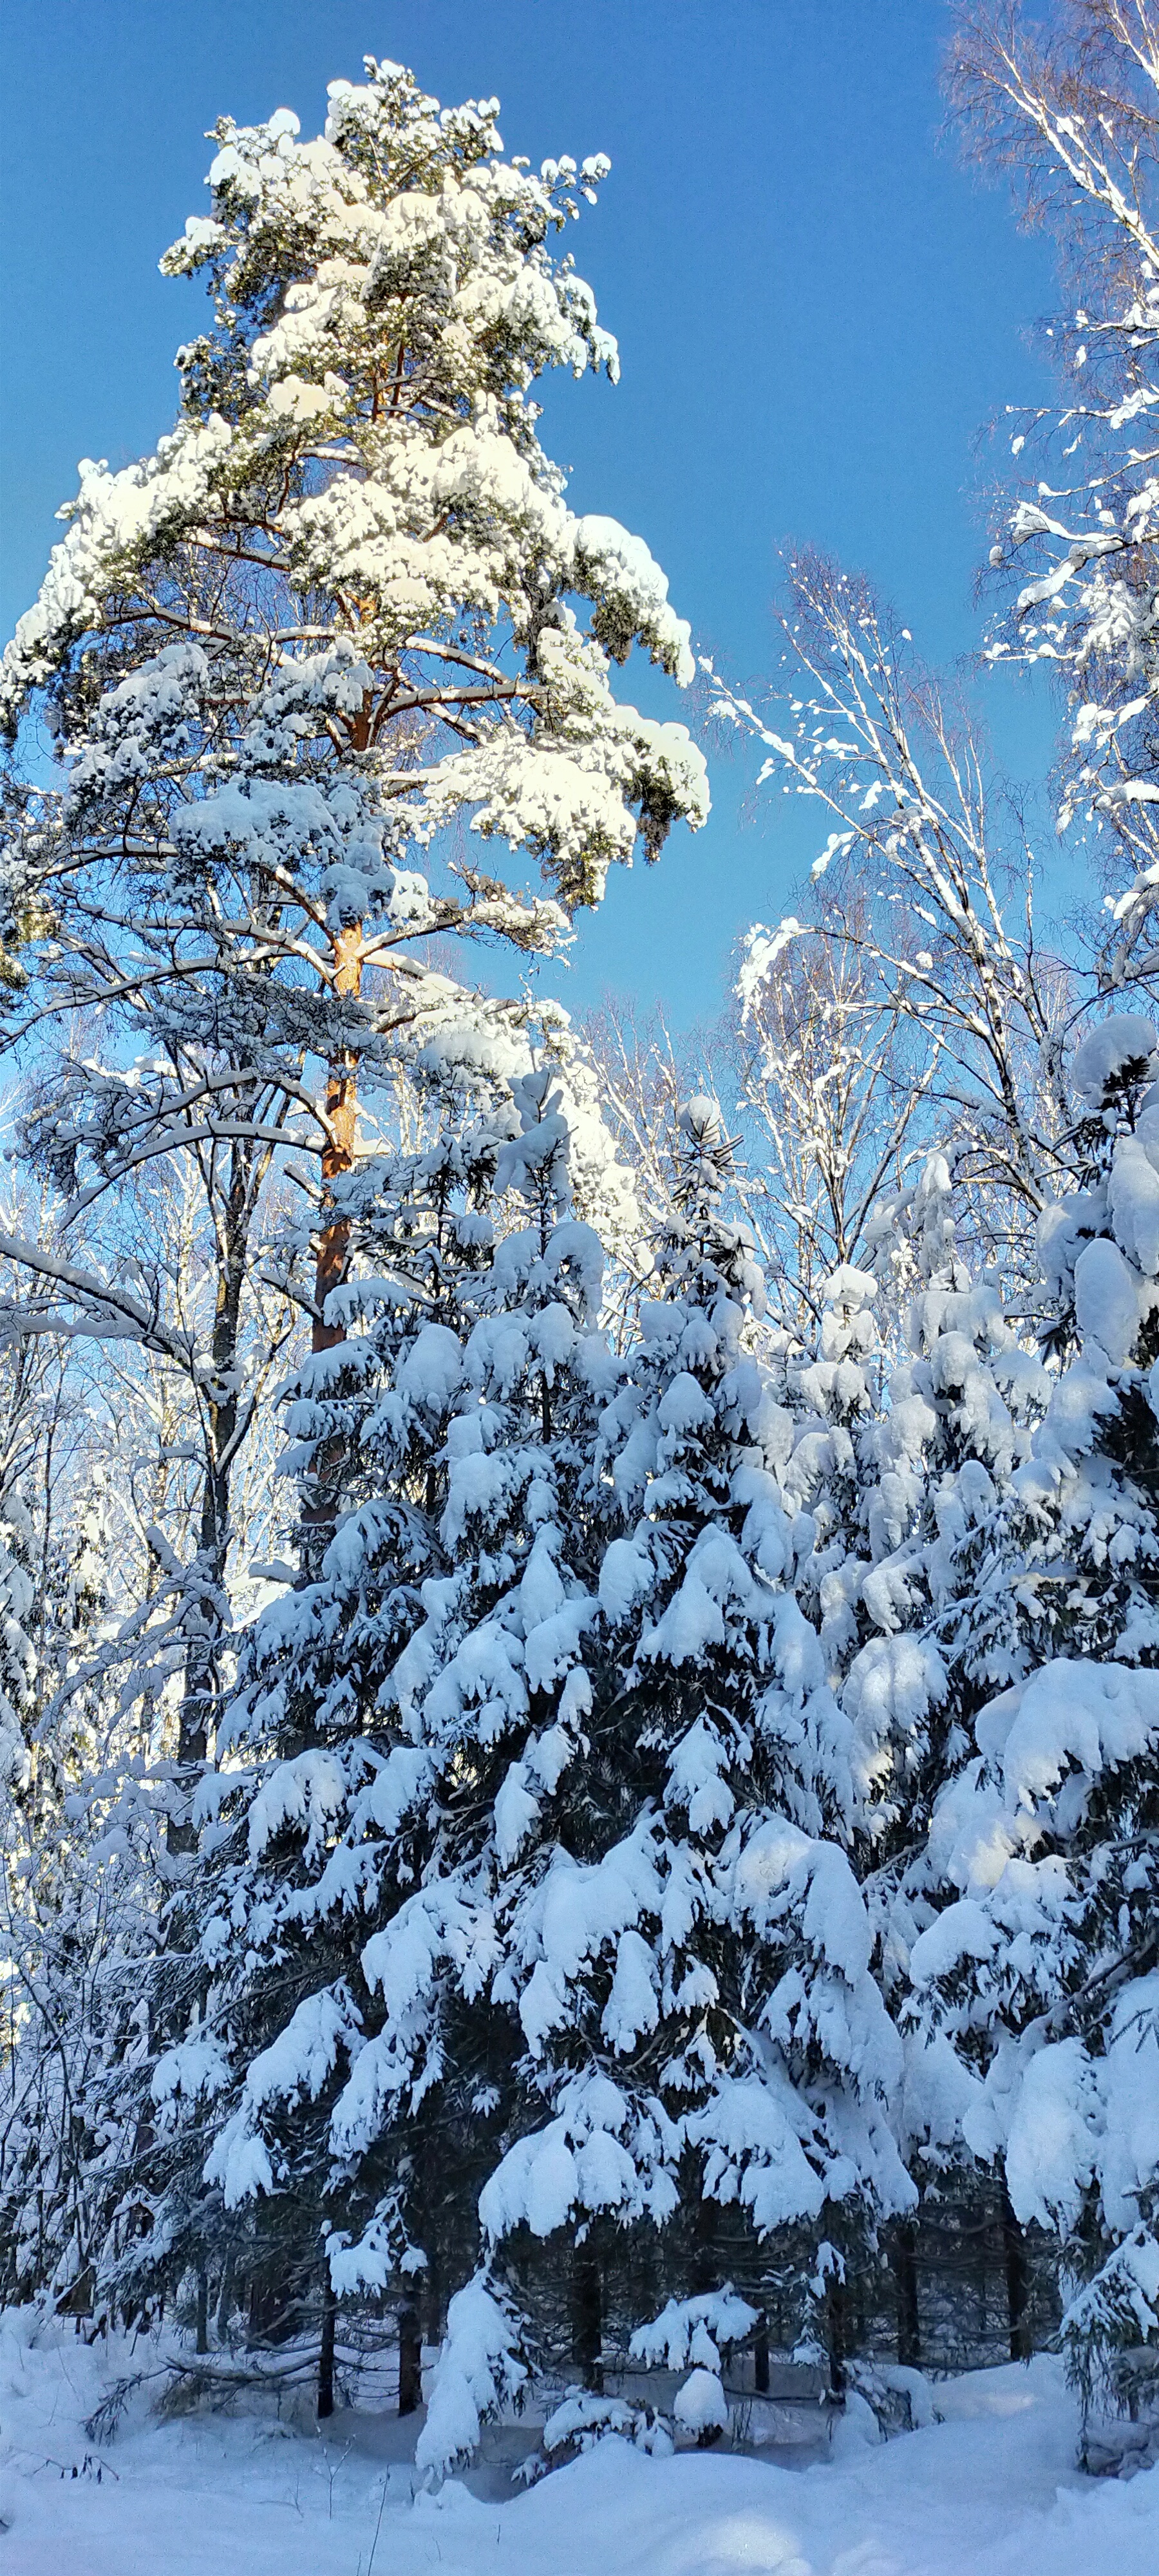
column 1106, row 1053
column 701, row 2405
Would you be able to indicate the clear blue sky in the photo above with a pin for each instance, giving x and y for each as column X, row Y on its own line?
column 817, row 310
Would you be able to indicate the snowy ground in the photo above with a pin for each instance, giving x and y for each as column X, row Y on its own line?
column 992, row 2491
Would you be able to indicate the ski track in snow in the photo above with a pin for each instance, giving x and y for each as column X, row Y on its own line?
column 992, row 2491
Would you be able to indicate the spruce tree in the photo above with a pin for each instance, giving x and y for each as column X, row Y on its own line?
column 694, row 1960
column 932, row 1586
column 1039, row 1961
column 936, row 1587
column 347, row 2029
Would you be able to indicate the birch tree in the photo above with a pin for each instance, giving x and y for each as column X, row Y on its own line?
column 943, row 928
column 1068, row 112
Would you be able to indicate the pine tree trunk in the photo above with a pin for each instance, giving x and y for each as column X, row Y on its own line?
column 836, row 2336
column 326, row 2350
column 761, row 2362
column 587, row 2319
column 705, row 2268
column 333, row 1237
column 983, row 2285
column 338, row 1150
column 257, row 2311
column 905, row 2273
column 274, row 2312
column 225, row 2299
column 202, row 2344
column 410, row 2361
column 433, row 2291
column 1017, row 2281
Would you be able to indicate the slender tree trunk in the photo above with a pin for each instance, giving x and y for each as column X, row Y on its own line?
column 257, row 2310
column 905, row 2274
column 1017, row 2281
column 410, row 2360
column 433, row 2289
column 338, row 1150
column 333, row 1240
column 225, row 2300
column 837, row 2327
column 326, row 2350
column 835, row 2336
column 705, row 2266
column 205, row 1584
column 587, row 2323
column 761, row 2362
column 232, row 1218
column 274, row 2311
column 202, row 2309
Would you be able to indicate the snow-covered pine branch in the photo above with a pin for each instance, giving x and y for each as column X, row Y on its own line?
column 342, row 604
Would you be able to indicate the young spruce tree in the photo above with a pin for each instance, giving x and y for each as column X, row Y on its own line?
column 1040, row 1960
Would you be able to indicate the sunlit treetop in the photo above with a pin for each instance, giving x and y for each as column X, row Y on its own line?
column 355, row 520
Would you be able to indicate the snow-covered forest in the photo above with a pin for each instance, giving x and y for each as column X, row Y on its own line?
column 579, row 1660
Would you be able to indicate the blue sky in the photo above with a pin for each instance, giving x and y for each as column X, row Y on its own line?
column 818, row 313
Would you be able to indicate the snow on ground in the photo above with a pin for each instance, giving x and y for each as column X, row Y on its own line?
column 991, row 2491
